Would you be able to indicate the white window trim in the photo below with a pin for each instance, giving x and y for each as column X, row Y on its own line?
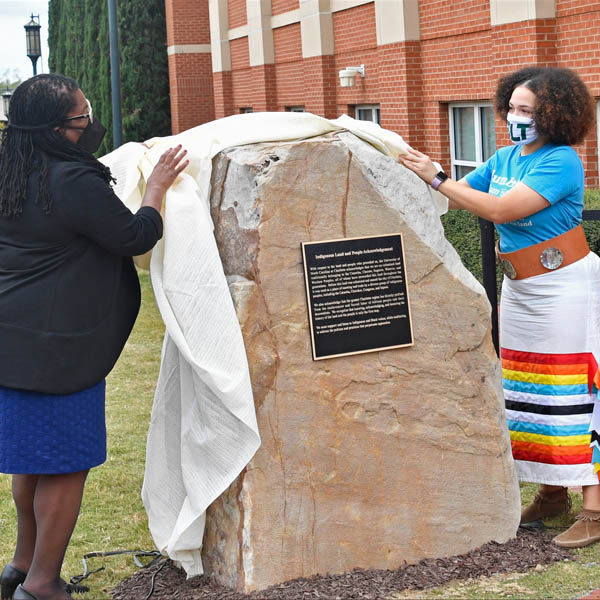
column 373, row 107
column 478, row 142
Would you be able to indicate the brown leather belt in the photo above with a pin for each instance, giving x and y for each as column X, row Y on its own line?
column 544, row 257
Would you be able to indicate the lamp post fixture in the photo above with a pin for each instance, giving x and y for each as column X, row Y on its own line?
column 6, row 101
column 32, row 35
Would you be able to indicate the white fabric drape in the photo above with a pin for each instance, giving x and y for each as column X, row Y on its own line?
column 203, row 428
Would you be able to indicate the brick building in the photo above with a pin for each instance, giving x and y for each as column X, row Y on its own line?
column 430, row 66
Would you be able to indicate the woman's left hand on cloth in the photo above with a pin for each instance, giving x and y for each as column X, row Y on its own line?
column 169, row 166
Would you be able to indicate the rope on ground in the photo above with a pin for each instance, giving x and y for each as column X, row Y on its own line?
column 136, row 554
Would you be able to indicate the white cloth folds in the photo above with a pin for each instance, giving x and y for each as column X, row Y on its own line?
column 203, row 428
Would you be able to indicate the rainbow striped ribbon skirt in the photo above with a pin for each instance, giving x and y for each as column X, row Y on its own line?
column 549, row 404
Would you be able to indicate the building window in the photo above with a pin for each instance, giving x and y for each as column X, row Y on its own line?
column 246, row 109
column 368, row 112
column 472, row 136
column 295, row 109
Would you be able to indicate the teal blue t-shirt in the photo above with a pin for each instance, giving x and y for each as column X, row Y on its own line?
column 554, row 172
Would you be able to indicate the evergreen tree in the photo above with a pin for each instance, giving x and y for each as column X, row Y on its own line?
column 79, row 47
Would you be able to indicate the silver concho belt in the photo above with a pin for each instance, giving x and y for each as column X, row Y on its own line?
column 551, row 258
column 555, row 253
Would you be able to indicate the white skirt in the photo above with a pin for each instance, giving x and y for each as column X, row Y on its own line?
column 550, row 339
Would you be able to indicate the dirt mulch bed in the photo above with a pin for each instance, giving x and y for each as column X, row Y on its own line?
column 526, row 551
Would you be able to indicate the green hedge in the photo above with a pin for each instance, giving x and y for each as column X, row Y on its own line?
column 462, row 231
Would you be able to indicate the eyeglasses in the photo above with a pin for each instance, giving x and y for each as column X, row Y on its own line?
column 86, row 116
column 89, row 115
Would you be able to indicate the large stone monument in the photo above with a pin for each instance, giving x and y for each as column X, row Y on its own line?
column 367, row 460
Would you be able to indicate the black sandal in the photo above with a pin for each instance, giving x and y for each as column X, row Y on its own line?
column 12, row 577
column 9, row 580
column 22, row 594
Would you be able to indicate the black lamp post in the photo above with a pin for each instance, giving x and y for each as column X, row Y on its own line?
column 32, row 35
column 115, row 73
column 6, row 101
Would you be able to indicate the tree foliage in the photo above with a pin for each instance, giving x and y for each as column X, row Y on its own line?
column 79, row 47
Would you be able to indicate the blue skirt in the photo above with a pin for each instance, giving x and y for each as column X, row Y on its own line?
column 50, row 434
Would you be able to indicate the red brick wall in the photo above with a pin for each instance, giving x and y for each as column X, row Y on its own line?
column 236, row 10
column 282, row 6
column 190, row 75
column 445, row 77
column 191, row 83
column 289, row 67
column 516, row 45
column 401, row 99
column 240, row 54
column 187, row 22
column 569, row 7
column 355, row 43
column 459, row 58
column 264, row 89
column 578, row 47
column 242, row 86
column 320, row 80
column 354, row 29
column 223, row 92
column 288, row 43
column 440, row 18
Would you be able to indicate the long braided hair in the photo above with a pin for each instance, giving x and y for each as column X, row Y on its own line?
column 30, row 141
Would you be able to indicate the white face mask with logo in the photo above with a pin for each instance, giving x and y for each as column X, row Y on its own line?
column 521, row 130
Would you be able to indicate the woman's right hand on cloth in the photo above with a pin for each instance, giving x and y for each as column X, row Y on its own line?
column 420, row 164
column 169, row 166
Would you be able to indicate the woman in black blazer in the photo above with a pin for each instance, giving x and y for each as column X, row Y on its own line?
column 69, row 296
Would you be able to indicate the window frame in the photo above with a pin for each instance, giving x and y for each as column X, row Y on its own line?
column 375, row 108
column 479, row 159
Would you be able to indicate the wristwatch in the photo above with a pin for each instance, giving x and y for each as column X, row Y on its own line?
column 438, row 180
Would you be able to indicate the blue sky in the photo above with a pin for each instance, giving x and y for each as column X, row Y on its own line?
column 13, row 58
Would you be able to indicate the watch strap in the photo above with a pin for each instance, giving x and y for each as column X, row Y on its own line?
column 438, row 180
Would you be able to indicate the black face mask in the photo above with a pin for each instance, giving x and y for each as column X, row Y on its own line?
column 92, row 136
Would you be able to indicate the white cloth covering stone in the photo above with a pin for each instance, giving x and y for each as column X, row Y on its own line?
column 203, row 427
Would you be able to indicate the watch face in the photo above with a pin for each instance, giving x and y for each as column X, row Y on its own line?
column 442, row 176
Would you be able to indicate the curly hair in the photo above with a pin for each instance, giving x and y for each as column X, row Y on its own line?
column 564, row 110
column 30, row 141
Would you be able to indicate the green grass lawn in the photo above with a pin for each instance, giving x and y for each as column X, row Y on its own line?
column 113, row 518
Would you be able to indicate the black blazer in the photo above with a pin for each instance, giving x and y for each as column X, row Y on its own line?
column 69, row 293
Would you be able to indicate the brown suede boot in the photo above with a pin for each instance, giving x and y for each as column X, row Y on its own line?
column 547, row 505
column 585, row 531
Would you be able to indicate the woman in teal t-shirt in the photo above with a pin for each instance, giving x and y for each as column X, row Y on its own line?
column 550, row 309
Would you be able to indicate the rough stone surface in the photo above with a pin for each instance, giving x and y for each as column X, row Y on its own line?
column 371, row 460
